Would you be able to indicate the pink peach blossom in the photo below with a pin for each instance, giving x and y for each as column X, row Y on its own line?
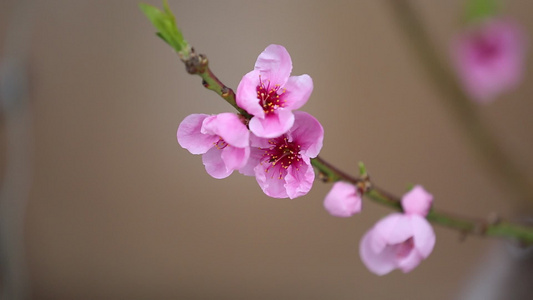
column 270, row 94
column 222, row 139
column 489, row 58
column 343, row 200
column 398, row 241
column 417, row 201
column 282, row 165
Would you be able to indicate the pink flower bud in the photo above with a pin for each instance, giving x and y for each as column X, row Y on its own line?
column 417, row 201
column 343, row 200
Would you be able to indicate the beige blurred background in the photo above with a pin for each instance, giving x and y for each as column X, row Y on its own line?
column 118, row 210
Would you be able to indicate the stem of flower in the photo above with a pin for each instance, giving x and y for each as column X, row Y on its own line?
column 329, row 173
column 476, row 132
column 198, row 64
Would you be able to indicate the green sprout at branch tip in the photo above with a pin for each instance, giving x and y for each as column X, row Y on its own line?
column 165, row 23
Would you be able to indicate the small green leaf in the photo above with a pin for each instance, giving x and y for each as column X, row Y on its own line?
column 480, row 9
column 165, row 23
column 162, row 37
column 362, row 169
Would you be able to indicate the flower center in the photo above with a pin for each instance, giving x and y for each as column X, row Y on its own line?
column 487, row 48
column 281, row 155
column 403, row 249
column 221, row 144
column 268, row 96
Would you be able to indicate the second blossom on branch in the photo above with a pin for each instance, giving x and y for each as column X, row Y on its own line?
column 282, row 165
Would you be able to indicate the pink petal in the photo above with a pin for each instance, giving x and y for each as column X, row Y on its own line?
column 259, row 142
column 235, row 158
column 378, row 243
column 299, row 181
column 274, row 64
column 253, row 161
column 246, row 96
column 214, row 165
column 424, row 236
column 394, row 228
column 397, row 241
column 410, row 262
column 308, row 133
column 190, row 136
column 379, row 263
column 417, row 201
column 298, row 89
column 273, row 125
column 342, row 200
column 270, row 182
column 229, row 127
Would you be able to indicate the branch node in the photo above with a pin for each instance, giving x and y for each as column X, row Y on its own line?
column 493, row 218
column 323, row 176
column 244, row 120
column 480, row 228
column 364, row 184
column 225, row 91
column 463, row 234
column 196, row 63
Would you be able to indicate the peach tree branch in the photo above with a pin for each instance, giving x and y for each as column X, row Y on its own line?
column 197, row 64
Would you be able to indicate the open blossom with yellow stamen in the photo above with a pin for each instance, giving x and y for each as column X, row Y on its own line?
column 282, row 165
column 270, row 94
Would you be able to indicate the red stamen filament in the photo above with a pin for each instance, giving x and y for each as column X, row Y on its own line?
column 221, row 144
column 269, row 98
column 282, row 154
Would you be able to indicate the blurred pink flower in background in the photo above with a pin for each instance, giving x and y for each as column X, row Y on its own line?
column 270, row 94
column 222, row 139
column 343, row 200
column 489, row 58
column 400, row 240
